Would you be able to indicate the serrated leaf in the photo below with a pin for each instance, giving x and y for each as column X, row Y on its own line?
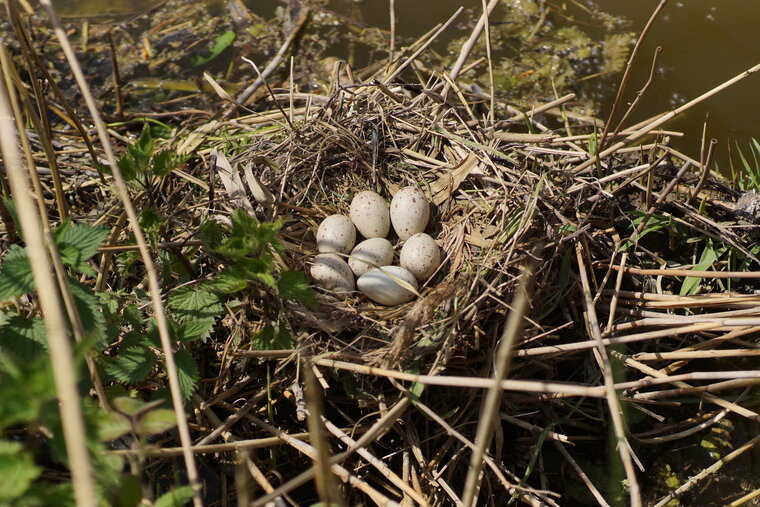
column 90, row 314
column 133, row 407
column 187, row 370
column 273, row 336
column 17, row 470
column 259, row 268
column 138, row 339
column 194, row 302
column 195, row 329
column 16, row 277
column 293, row 285
column 165, row 161
column 175, row 498
column 157, row 421
column 132, row 364
column 151, row 220
column 228, row 281
column 23, row 338
column 112, row 425
column 77, row 243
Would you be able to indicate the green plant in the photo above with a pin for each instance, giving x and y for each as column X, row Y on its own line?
column 121, row 339
column 747, row 177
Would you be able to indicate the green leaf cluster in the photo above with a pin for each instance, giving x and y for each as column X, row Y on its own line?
column 140, row 163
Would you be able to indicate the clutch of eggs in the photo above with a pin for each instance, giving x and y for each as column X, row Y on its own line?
column 371, row 260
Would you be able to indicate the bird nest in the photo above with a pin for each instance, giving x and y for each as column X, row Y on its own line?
column 602, row 247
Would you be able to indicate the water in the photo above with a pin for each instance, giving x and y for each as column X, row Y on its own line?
column 705, row 42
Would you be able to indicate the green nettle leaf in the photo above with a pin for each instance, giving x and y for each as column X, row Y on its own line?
column 165, row 161
column 23, row 338
column 17, row 470
column 132, row 364
column 90, row 313
column 151, row 220
column 248, row 237
column 187, row 369
column 228, row 281
column 175, row 498
column 195, row 329
column 273, row 336
column 16, row 277
column 77, row 243
column 194, row 303
column 134, row 407
column 210, row 233
column 157, row 421
column 259, row 268
column 113, row 425
column 294, row 285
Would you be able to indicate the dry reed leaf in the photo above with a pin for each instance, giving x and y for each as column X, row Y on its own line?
column 191, row 142
column 449, row 182
column 231, row 181
column 217, row 88
column 261, row 193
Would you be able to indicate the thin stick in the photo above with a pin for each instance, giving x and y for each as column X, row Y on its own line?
column 490, row 407
column 270, row 68
column 707, row 471
column 55, row 322
column 746, row 275
column 422, row 48
column 492, row 110
column 467, row 48
column 237, row 445
column 627, row 74
column 150, row 269
column 324, row 480
column 392, row 49
column 612, row 399
column 584, row 167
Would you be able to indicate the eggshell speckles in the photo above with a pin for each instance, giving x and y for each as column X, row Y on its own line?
column 376, row 251
column 409, row 212
column 370, row 214
column 336, row 234
column 377, row 285
column 421, row 256
column 332, row 273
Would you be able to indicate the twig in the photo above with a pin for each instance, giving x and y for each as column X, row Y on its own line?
column 270, row 68
column 502, row 363
column 584, row 167
column 628, row 67
column 613, row 402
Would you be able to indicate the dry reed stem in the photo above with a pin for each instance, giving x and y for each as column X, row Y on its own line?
column 583, row 168
column 61, row 354
column 626, row 74
column 502, row 363
column 275, row 62
column 153, row 282
column 623, row 447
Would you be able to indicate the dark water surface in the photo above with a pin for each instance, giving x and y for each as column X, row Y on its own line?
column 705, row 42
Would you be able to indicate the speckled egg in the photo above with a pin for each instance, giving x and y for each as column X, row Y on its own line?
column 381, row 286
column 410, row 211
column 370, row 214
column 421, row 256
column 369, row 254
column 332, row 273
column 336, row 233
